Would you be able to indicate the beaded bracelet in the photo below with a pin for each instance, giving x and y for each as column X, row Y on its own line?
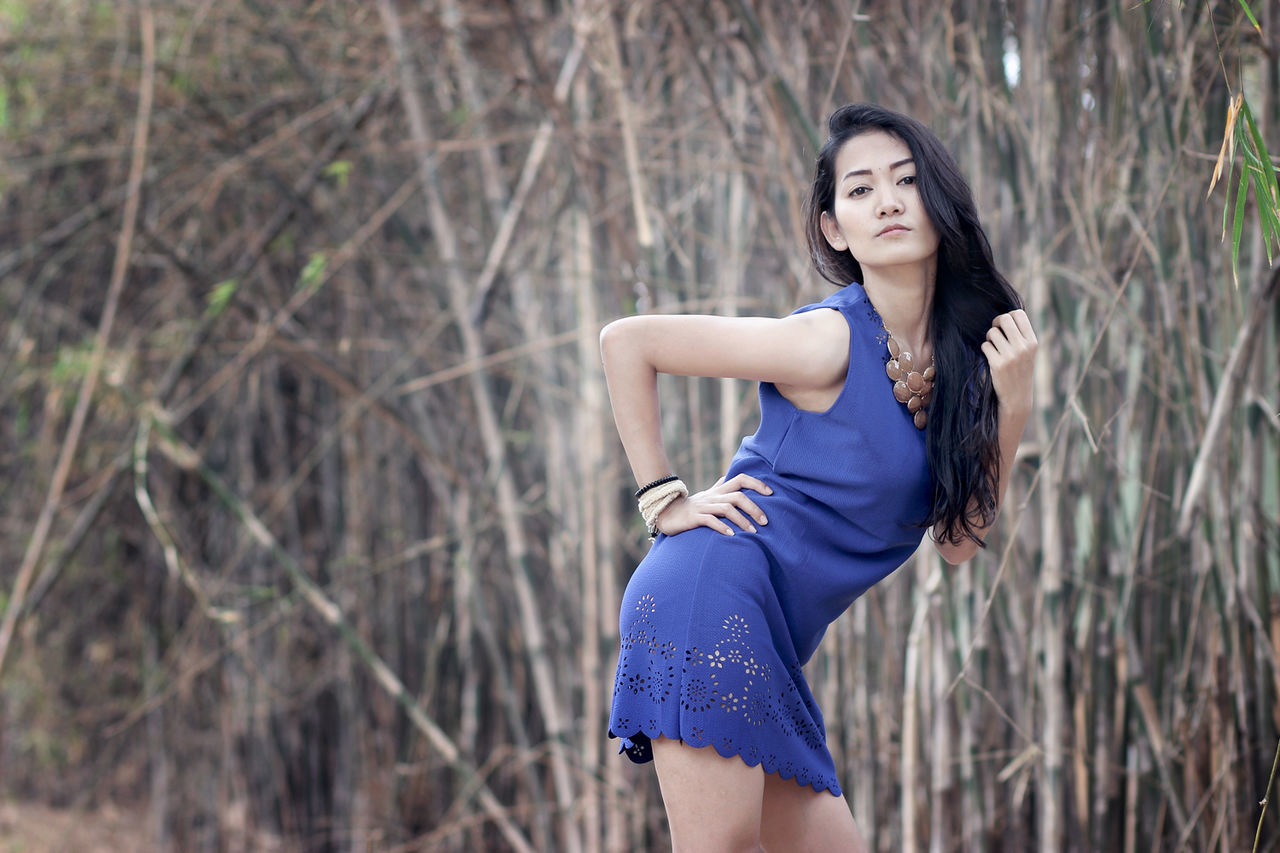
column 661, row 481
column 658, row 499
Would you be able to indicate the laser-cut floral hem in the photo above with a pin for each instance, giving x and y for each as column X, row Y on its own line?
column 730, row 679
column 639, row 748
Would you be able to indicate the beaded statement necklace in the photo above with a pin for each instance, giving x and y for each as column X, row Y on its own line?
column 910, row 386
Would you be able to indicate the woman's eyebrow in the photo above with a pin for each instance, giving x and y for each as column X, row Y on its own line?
column 892, row 166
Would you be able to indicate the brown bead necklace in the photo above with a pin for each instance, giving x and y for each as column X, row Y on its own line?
column 910, row 386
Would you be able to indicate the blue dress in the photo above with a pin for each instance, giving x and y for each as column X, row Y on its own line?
column 715, row 629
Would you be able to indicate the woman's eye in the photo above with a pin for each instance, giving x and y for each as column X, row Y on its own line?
column 859, row 191
column 908, row 179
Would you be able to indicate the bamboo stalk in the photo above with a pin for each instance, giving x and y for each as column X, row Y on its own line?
column 257, row 248
column 604, row 37
column 1224, row 400
column 186, row 457
column 944, row 821
column 545, row 684
column 123, row 257
column 590, row 429
column 928, row 577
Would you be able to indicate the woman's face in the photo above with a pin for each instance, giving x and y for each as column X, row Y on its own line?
column 878, row 214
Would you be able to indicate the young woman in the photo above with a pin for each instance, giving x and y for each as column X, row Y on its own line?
column 889, row 409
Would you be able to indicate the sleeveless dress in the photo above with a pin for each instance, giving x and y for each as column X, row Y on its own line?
column 715, row 629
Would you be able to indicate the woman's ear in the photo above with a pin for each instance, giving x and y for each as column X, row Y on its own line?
column 831, row 230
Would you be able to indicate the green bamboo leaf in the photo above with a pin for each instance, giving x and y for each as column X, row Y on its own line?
column 340, row 171
column 1249, row 13
column 1226, row 208
column 313, row 273
column 1265, row 166
column 220, row 296
column 1258, row 176
column 1237, row 228
column 1268, row 213
column 1270, row 231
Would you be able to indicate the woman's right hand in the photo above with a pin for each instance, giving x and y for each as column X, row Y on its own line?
column 1010, row 349
column 725, row 500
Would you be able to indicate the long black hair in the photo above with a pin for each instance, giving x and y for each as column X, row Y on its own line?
column 962, row 439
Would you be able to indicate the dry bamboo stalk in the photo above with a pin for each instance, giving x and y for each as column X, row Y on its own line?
column 1150, row 715
column 265, row 332
column 910, row 732
column 514, row 207
column 927, row 579
column 1052, row 676
column 604, row 37
column 971, row 809
column 258, row 245
column 482, row 617
column 943, row 818
column 545, row 685
column 1129, row 836
column 464, row 594
column 356, row 517
column 590, row 429
column 1079, row 754
column 865, row 769
column 204, row 194
column 559, row 440
column 490, row 171
column 1224, row 400
column 185, row 456
column 120, row 267
column 600, row 593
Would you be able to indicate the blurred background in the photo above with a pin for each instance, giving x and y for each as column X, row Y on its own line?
column 313, row 521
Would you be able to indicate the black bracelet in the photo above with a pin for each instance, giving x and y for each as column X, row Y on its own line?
column 661, row 481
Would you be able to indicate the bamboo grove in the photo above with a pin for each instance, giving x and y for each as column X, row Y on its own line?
column 314, row 519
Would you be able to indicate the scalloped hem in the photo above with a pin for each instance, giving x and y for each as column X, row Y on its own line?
column 639, row 748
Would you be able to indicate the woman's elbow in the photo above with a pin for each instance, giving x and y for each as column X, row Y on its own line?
column 613, row 336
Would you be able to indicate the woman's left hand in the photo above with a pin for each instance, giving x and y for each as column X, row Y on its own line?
column 1010, row 349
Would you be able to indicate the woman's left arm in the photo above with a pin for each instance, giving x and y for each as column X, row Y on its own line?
column 1010, row 350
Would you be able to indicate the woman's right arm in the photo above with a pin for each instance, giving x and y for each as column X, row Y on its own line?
column 806, row 351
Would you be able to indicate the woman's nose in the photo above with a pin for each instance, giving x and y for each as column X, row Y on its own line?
column 890, row 206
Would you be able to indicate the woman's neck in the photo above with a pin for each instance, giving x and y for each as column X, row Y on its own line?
column 903, row 297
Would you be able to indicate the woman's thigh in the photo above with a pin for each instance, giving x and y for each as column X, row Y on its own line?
column 798, row 818
column 713, row 803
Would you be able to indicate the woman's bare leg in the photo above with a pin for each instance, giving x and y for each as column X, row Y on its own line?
column 713, row 803
column 798, row 818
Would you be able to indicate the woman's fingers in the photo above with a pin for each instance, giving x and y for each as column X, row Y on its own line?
column 1010, row 335
column 745, row 504
column 731, row 513
column 746, row 481
column 720, row 507
column 736, row 508
column 1012, row 328
column 1010, row 350
column 1023, row 322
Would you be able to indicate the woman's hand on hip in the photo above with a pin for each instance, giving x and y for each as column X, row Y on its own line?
column 722, row 503
column 1010, row 349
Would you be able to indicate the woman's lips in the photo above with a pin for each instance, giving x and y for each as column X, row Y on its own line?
column 893, row 229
